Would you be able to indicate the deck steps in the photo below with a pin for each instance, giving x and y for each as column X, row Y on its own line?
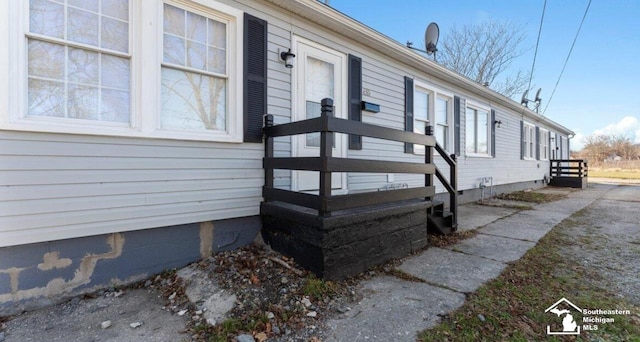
column 440, row 220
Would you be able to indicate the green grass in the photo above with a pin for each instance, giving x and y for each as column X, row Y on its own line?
column 614, row 173
column 317, row 288
column 513, row 304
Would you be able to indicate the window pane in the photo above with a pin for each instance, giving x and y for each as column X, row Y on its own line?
column 442, row 136
column 115, row 72
column 482, row 132
column 83, row 66
column 46, row 60
column 196, row 55
column 421, row 105
column 46, row 98
column 174, row 20
column 114, row 105
column 82, row 27
column 192, row 102
column 217, row 34
column 319, row 83
column 82, row 102
column 442, row 106
column 91, row 5
column 470, row 129
column 116, row 8
column 46, row 18
column 174, row 50
column 196, row 28
column 115, row 35
column 217, row 60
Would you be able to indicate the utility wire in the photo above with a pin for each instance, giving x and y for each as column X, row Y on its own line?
column 567, row 59
column 535, row 54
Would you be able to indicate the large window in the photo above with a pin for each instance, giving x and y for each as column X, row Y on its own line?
column 126, row 67
column 421, row 109
column 442, row 130
column 432, row 107
column 477, row 131
column 544, row 144
column 529, row 141
column 194, row 71
column 78, row 60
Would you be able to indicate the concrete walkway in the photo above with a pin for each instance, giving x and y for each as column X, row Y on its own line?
column 396, row 310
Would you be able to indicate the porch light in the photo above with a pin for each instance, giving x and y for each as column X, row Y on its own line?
column 287, row 57
column 498, row 123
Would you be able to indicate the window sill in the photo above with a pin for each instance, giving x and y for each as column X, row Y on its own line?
column 474, row 155
column 115, row 130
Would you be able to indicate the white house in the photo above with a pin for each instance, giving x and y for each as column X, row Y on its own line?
column 131, row 141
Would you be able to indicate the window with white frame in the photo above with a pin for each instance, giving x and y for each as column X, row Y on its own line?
column 544, row 144
column 78, row 60
column 442, row 118
column 86, row 72
column 477, row 130
column 432, row 107
column 529, row 141
column 194, row 71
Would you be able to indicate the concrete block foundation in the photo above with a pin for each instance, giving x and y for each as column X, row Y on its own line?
column 40, row 274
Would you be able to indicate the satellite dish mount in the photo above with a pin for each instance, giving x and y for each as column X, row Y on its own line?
column 430, row 40
column 538, row 100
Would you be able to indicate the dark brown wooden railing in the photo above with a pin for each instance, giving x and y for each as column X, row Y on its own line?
column 452, row 184
column 326, row 164
column 569, row 168
column 569, row 173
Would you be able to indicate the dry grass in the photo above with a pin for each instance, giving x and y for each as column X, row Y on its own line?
column 614, row 173
column 511, row 307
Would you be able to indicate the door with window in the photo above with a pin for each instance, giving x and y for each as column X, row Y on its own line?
column 319, row 73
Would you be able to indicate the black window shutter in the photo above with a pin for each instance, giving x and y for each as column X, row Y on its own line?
column 456, row 124
column 523, row 143
column 408, row 110
column 255, row 77
column 537, row 143
column 555, row 146
column 355, row 98
column 561, row 154
column 493, row 133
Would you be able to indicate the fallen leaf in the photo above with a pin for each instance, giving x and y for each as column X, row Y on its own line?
column 261, row 337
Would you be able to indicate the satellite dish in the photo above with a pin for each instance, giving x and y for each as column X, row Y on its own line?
column 524, row 99
column 431, row 36
column 538, row 99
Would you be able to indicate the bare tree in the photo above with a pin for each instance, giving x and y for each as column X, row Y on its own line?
column 483, row 52
column 623, row 147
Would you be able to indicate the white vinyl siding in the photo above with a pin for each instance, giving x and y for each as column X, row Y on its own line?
column 60, row 186
column 56, row 186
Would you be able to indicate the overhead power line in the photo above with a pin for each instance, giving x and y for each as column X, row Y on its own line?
column 569, row 55
column 535, row 54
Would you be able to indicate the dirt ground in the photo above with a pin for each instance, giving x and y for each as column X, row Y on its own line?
column 606, row 234
column 607, row 239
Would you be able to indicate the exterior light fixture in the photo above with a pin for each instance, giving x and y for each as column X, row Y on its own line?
column 287, row 57
column 498, row 123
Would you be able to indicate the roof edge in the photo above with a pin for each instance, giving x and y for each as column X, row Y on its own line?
column 339, row 22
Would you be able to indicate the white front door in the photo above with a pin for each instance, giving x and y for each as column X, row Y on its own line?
column 319, row 73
